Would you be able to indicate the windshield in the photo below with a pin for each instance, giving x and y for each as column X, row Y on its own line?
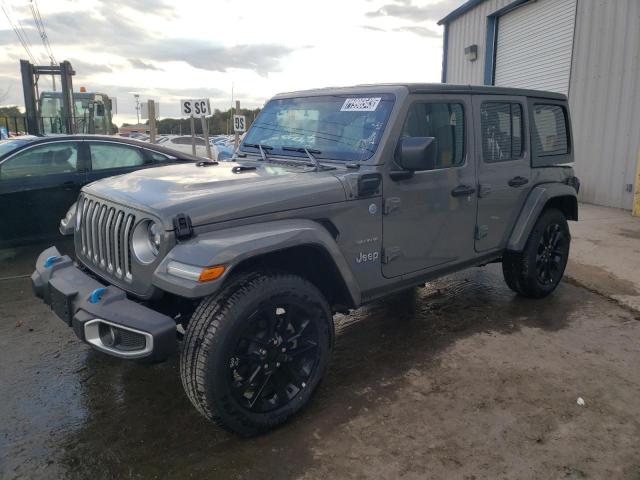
column 338, row 127
column 7, row 146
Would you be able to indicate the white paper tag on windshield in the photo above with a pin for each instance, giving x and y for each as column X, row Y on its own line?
column 361, row 104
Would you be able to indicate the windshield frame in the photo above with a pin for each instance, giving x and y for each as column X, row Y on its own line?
column 388, row 97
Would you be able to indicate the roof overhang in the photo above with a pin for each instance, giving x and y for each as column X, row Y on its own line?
column 465, row 7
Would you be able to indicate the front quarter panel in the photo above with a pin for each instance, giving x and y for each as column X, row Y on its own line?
column 231, row 246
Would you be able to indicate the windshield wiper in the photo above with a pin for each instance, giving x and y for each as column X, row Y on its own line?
column 260, row 147
column 310, row 154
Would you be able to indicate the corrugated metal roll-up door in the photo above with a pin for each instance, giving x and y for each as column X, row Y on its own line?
column 534, row 46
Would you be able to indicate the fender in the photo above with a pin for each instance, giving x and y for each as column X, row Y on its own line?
column 231, row 246
column 533, row 206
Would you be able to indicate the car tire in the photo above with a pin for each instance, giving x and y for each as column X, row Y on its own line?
column 536, row 271
column 254, row 354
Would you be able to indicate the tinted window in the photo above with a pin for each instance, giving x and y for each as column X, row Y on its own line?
column 43, row 160
column 444, row 122
column 501, row 127
column 159, row 157
column 549, row 134
column 110, row 155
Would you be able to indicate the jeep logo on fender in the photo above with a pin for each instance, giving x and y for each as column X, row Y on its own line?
column 364, row 257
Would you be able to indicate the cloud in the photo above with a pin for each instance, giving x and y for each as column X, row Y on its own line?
column 137, row 63
column 405, row 10
column 88, row 68
column 111, row 32
column 371, row 27
column 418, row 30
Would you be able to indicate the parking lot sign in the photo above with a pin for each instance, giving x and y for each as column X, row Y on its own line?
column 239, row 123
column 195, row 107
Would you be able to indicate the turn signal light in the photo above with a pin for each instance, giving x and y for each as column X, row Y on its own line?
column 211, row 273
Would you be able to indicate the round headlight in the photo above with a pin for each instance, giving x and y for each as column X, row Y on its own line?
column 154, row 237
column 146, row 240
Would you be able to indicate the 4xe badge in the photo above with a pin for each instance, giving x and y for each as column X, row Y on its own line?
column 364, row 257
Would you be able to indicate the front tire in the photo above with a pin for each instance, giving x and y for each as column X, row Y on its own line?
column 254, row 354
column 537, row 270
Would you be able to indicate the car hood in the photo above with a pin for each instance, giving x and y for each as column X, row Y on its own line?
column 215, row 193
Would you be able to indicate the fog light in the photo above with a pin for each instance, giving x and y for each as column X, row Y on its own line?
column 107, row 334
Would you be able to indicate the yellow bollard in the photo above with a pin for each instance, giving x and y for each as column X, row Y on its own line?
column 636, row 192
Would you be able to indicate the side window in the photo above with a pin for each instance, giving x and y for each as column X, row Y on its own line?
column 110, row 155
column 550, row 130
column 159, row 157
column 501, row 127
column 39, row 161
column 444, row 122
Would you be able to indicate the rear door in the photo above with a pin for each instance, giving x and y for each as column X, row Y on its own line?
column 503, row 167
column 107, row 159
column 37, row 187
column 429, row 217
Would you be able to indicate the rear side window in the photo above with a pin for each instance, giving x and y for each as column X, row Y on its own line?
column 549, row 135
column 501, row 125
column 444, row 122
column 105, row 156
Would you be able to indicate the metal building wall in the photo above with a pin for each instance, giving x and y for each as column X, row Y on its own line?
column 604, row 94
column 469, row 29
column 534, row 44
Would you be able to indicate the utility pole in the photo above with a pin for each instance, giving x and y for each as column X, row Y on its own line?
column 151, row 108
column 237, row 142
column 137, row 97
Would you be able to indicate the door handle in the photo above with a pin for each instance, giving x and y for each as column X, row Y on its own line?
column 68, row 186
column 518, row 181
column 463, row 191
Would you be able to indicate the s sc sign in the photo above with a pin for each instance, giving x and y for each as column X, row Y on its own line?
column 195, row 107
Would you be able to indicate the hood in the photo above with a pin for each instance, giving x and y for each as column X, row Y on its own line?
column 220, row 192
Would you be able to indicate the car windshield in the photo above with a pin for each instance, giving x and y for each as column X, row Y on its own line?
column 339, row 127
column 7, row 146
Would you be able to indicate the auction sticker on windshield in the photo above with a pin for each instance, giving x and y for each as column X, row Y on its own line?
column 361, row 104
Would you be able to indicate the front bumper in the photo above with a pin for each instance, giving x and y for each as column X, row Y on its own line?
column 102, row 316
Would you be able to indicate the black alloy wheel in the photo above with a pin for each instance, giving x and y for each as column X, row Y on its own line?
column 550, row 256
column 275, row 355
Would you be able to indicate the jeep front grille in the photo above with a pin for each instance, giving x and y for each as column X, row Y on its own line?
column 105, row 234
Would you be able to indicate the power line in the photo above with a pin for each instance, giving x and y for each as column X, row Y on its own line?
column 24, row 41
column 37, row 18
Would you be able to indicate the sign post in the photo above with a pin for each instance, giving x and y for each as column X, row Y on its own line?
column 239, row 124
column 151, row 108
column 192, row 107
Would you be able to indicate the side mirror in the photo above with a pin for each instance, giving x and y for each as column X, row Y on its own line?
column 418, row 153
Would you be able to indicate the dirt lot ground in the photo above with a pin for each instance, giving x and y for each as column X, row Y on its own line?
column 460, row 379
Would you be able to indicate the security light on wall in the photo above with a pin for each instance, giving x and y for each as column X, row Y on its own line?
column 471, row 52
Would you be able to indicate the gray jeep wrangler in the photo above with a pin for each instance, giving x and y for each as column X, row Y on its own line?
column 335, row 198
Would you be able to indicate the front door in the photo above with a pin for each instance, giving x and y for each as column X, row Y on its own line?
column 37, row 187
column 503, row 167
column 429, row 218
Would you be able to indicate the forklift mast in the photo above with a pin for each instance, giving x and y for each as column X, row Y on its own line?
column 30, row 76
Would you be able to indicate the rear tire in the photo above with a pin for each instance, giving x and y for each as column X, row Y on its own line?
column 537, row 270
column 254, row 353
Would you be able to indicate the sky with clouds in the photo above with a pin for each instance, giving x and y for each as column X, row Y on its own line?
column 168, row 51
